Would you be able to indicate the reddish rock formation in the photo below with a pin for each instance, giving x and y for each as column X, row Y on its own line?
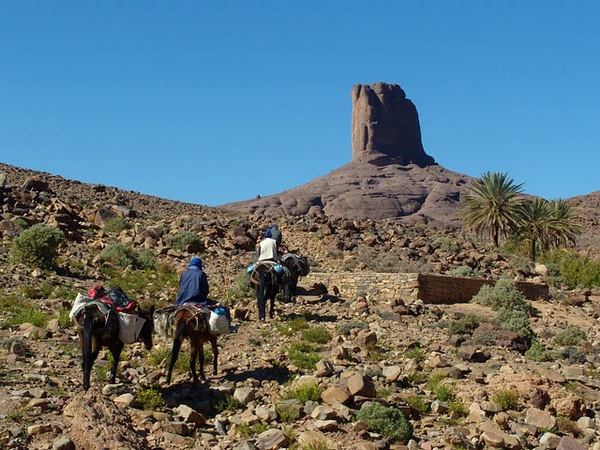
column 385, row 126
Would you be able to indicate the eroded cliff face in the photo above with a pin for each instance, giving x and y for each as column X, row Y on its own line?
column 385, row 126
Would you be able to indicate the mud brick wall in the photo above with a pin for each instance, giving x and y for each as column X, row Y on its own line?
column 433, row 289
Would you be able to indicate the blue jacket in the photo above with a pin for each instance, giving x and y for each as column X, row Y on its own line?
column 193, row 286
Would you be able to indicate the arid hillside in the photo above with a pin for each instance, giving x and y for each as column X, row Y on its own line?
column 458, row 378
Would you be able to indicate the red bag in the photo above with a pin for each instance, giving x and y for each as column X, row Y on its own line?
column 96, row 292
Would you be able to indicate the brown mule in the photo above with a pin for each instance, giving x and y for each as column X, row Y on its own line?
column 191, row 323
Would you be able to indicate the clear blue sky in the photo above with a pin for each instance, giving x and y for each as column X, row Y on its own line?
column 211, row 102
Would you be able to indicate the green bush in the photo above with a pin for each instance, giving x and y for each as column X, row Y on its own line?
column 187, row 241
column 151, row 398
column 537, row 352
column 27, row 314
column 317, row 335
column 515, row 320
column 574, row 269
column 504, row 294
column 241, row 288
column 507, row 399
column 464, row 325
column 120, row 255
column 305, row 392
column 225, row 402
column 291, row 327
column 445, row 243
column 572, row 354
column 387, row 421
column 304, row 355
column 463, row 271
column 571, row 335
column 116, row 225
column 37, row 246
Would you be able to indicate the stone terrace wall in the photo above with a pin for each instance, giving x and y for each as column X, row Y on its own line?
column 435, row 289
column 445, row 289
column 384, row 285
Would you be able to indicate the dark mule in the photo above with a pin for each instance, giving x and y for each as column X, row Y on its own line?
column 97, row 327
column 298, row 267
column 267, row 283
column 191, row 323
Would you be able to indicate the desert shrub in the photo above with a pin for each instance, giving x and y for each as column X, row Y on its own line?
column 318, row 335
column 120, row 255
column 514, row 320
column 445, row 243
column 305, row 392
column 414, row 353
column 504, row 294
column 387, row 421
column 418, row 403
column 26, row 314
column 116, row 225
column 37, row 246
column 225, row 402
column 572, row 354
column 507, row 399
column 463, row 271
column 574, row 270
column 290, row 327
column 465, row 325
column 440, row 390
column 346, row 328
column 571, row 335
column 537, row 352
column 147, row 259
column 151, row 398
column 304, row 355
column 63, row 317
column 186, row 241
column 241, row 287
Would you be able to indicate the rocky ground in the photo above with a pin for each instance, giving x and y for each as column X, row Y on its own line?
column 384, row 351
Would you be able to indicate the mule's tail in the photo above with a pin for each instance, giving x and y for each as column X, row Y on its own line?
column 87, row 348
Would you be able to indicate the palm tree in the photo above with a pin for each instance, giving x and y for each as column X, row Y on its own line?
column 535, row 223
column 546, row 224
column 566, row 226
column 491, row 205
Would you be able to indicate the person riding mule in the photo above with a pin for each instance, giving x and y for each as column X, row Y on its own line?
column 268, row 277
column 194, row 289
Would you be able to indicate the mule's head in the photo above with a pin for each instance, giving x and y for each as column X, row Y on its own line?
column 147, row 328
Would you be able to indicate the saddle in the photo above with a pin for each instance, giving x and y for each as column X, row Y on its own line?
column 200, row 315
column 276, row 270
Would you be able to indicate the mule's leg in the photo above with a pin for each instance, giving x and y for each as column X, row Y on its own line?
column 174, row 354
column 262, row 302
column 201, row 358
column 115, row 350
column 215, row 350
column 193, row 355
column 272, row 304
column 86, row 346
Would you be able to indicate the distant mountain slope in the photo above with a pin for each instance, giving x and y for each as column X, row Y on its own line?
column 357, row 190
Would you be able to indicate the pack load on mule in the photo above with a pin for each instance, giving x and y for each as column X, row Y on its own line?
column 109, row 319
column 215, row 314
column 130, row 323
